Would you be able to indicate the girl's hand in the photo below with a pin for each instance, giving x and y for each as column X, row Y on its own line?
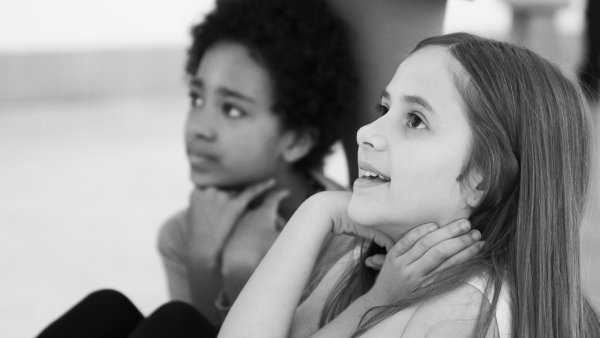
column 213, row 213
column 420, row 252
column 335, row 205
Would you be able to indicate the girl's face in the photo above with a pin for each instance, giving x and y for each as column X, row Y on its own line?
column 411, row 157
column 232, row 136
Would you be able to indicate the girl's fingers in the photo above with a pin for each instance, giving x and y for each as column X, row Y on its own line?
column 383, row 240
column 375, row 262
column 411, row 237
column 462, row 256
column 431, row 239
column 378, row 237
column 448, row 252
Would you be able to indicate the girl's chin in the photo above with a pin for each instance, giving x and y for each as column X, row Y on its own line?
column 362, row 215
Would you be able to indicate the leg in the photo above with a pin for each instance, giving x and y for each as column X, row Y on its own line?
column 104, row 313
column 175, row 319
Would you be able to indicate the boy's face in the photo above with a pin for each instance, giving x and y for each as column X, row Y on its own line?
column 232, row 136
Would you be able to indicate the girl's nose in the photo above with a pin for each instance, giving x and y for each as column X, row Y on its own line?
column 368, row 137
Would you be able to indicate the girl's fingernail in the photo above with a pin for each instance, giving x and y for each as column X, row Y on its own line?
column 433, row 227
column 480, row 244
column 465, row 225
column 476, row 235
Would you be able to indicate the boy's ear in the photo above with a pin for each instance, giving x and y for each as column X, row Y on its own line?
column 300, row 143
column 474, row 187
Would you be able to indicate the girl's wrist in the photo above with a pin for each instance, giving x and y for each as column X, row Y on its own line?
column 316, row 211
column 375, row 298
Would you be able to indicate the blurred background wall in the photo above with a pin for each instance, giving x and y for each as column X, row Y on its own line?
column 84, row 49
column 68, row 49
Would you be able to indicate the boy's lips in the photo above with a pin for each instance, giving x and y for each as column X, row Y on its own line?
column 201, row 159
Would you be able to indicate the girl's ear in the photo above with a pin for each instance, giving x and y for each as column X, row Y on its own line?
column 299, row 144
column 474, row 187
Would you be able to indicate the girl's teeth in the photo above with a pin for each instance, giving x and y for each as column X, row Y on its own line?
column 370, row 174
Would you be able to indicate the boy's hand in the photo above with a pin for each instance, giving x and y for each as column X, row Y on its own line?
column 421, row 251
column 252, row 237
column 214, row 212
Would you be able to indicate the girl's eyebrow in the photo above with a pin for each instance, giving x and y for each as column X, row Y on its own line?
column 411, row 99
column 385, row 95
column 418, row 100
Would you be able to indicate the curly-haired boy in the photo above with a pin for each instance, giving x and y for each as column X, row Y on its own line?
column 270, row 83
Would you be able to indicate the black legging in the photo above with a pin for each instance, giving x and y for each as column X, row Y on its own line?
column 109, row 313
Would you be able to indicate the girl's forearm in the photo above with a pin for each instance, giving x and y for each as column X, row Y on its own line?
column 266, row 305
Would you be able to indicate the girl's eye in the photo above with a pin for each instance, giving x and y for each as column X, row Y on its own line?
column 232, row 111
column 415, row 121
column 381, row 109
column 196, row 100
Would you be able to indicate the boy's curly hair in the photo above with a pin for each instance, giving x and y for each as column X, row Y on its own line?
column 306, row 50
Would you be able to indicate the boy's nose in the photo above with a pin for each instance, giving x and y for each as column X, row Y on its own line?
column 202, row 126
column 368, row 137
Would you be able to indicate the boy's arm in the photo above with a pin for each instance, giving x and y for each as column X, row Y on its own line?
column 256, row 231
column 171, row 239
column 210, row 220
column 252, row 237
column 267, row 303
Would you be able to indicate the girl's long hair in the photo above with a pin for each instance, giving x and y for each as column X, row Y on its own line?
column 532, row 143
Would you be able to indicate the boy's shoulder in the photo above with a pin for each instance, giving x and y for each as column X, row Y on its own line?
column 177, row 221
column 172, row 232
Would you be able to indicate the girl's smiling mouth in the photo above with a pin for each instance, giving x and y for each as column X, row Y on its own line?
column 366, row 170
column 369, row 175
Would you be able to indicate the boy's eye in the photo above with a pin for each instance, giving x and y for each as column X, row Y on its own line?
column 232, row 111
column 415, row 121
column 381, row 109
column 196, row 100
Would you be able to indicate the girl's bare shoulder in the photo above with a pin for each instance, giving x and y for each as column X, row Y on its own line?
column 452, row 314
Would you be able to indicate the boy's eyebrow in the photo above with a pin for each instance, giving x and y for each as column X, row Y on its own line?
column 232, row 93
column 197, row 83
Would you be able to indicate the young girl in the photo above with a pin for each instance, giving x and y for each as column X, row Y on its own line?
column 472, row 129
